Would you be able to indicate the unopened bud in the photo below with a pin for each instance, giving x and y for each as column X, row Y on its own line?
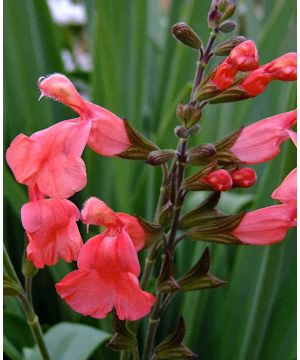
column 227, row 26
column 199, row 155
column 185, row 34
column 227, row 7
column 225, row 47
column 219, row 180
column 181, row 132
column 194, row 129
column 244, row 177
column 190, row 114
column 214, row 17
column 158, row 157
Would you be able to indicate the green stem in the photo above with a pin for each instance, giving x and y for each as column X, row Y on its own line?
column 152, row 327
column 32, row 318
column 28, row 288
column 124, row 355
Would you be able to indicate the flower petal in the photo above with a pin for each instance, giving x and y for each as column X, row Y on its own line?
column 87, row 293
column 134, row 230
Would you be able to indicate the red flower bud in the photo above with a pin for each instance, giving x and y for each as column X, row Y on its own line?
column 244, row 56
column 283, row 68
column 244, row 177
column 219, row 180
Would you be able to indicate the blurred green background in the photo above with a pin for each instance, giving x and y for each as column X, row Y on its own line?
column 122, row 56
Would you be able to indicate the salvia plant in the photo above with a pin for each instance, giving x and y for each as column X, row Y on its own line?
column 108, row 278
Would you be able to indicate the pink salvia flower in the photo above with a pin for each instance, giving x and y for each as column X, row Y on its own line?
column 108, row 135
column 266, row 226
column 51, row 159
column 52, row 231
column 107, row 278
column 96, row 212
column 259, row 142
column 286, row 193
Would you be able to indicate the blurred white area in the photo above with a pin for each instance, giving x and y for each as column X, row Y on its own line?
column 65, row 12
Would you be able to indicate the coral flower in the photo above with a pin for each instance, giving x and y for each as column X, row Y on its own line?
column 107, row 278
column 283, row 68
column 108, row 135
column 260, row 141
column 51, row 159
column 266, row 226
column 52, row 231
column 244, row 177
column 286, row 193
column 96, row 212
column 242, row 58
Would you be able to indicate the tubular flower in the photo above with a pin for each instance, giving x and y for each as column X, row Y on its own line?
column 266, row 226
column 283, row 68
column 52, row 231
column 242, row 58
column 96, row 212
column 107, row 277
column 219, row 180
column 108, row 135
column 50, row 160
column 259, row 142
column 286, row 193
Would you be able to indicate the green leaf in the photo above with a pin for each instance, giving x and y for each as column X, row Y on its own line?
column 69, row 341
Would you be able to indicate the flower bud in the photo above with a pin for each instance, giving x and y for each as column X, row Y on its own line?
column 219, row 180
column 194, row 129
column 28, row 269
column 186, row 35
column 214, row 17
column 227, row 26
column 158, row 157
column 227, row 7
column 199, row 155
column 190, row 114
column 244, row 177
column 225, row 47
column 181, row 132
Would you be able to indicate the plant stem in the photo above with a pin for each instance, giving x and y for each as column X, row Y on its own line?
column 32, row 318
column 203, row 60
column 34, row 324
column 152, row 327
column 28, row 288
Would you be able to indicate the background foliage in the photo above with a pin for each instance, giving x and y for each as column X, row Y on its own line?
column 140, row 72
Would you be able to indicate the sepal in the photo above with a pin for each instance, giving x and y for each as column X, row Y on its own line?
column 217, row 229
column 201, row 154
column 166, row 282
column 166, row 214
column 234, row 93
column 224, row 48
column 206, row 90
column 10, row 287
column 140, row 146
column 198, row 277
column 199, row 214
column 28, row 269
column 223, row 154
column 123, row 338
column 154, row 231
column 172, row 347
column 194, row 182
